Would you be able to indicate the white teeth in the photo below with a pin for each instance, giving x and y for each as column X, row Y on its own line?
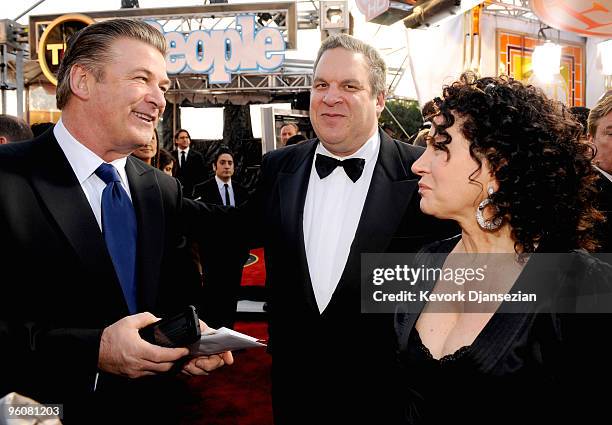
column 144, row 117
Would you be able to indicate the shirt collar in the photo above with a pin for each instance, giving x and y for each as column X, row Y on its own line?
column 82, row 160
column 605, row 173
column 220, row 182
column 368, row 151
column 186, row 150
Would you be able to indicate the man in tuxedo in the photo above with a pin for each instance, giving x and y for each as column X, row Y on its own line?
column 600, row 134
column 190, row 168
column 90, row 237
column 321, row 204
column 224, row 253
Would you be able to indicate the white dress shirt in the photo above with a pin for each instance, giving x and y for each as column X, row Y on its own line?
column 84, row 163
column 331, row 214
column 180, row 151
column 221, row 186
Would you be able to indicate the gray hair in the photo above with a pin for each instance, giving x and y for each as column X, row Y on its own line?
column 90, row 48
column 14, row 129
column 375, row 62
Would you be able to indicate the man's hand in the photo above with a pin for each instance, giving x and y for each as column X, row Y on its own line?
column 123, row 352
column 204, row 364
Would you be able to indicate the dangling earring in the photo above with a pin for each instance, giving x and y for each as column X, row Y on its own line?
column 485, row 224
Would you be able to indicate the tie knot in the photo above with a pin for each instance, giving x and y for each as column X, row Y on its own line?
column 108, row 173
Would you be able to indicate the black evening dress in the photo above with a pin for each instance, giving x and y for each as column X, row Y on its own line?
column 523, row 368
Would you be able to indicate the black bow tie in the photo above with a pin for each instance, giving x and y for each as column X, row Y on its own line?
column 353, row 167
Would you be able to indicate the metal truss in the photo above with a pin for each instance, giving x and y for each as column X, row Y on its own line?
column 510, row 8
column 278, row 15
column 274, row 83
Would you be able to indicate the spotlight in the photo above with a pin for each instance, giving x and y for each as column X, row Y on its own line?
column 546, row 61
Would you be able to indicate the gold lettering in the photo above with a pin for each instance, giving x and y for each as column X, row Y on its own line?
column 55, row 49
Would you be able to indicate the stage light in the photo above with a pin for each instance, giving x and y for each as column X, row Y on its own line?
column 546, row 61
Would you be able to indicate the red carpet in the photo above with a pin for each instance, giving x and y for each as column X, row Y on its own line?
column 254, row 273
column 234, row 395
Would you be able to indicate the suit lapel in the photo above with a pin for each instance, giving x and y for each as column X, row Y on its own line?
column 293, row 185
column 60, row 191
column 389, row 195
column 147, row 201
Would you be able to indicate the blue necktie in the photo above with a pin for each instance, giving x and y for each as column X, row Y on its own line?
column 119, row 229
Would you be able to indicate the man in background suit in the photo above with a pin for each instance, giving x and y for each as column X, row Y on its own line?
column 286, row 132
column 600, row 133
column 224, row 253
column 321, row 204
column 90, row 237
column 189, row 167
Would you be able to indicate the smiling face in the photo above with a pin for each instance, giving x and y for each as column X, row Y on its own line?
column 445, row 186
column 127, row 101
column 343, row 110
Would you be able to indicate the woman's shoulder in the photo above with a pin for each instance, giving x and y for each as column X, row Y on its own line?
column 590, row 264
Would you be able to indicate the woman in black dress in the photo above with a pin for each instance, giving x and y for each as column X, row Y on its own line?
column 507, row 164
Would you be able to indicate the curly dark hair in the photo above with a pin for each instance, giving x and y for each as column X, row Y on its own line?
column 532, row 145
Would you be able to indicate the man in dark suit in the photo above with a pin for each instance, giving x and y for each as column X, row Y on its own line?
column 190, row 167
column 322, row 204
column 600, row 134
column 90, row 237
column 224, row 253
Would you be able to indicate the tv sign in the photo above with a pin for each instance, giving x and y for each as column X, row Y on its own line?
column 217, row 53
column 52, row 43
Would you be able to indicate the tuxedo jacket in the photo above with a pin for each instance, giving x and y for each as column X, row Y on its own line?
column 194, row 171
column 208, row 192
column 60, row 287
column 340, row 350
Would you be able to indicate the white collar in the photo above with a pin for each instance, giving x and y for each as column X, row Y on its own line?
column 83, row 161
column 605, row 173
column 220, row 182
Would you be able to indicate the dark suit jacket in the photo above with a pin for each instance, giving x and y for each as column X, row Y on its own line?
column 209, row 193
column 193, row 172
column 222, row 256
column 60, row 289
column 341, row 351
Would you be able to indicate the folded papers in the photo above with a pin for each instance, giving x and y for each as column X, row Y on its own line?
column 215, row 341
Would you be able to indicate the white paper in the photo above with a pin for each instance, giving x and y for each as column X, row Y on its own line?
column 215, row 341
